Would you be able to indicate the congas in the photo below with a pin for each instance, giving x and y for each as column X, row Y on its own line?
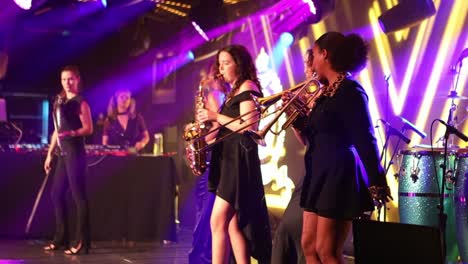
column 419, row 183
column 461, row 206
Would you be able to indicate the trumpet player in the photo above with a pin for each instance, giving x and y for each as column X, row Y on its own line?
column 239, row 218
column 287, row 242
column 341, row 159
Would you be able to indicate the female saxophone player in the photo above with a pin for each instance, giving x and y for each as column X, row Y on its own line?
column 240, row 218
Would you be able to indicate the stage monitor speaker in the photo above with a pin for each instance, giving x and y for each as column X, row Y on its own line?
column 379, row 242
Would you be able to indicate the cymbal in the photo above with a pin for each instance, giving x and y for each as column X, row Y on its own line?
column 454, row 95
column 457, row 97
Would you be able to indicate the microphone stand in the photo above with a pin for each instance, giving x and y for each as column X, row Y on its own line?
column 442, row 215
column 390, row 162
column 46, row 178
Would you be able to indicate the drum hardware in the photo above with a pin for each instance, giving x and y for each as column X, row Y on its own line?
column 415, row 170
column 450, row 179
column 398, row 172
column 414, row 175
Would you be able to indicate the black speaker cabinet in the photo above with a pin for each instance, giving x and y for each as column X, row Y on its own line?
column 381, row 243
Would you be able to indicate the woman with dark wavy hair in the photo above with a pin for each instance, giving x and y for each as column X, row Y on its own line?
column 343, row 172
column 239, row 218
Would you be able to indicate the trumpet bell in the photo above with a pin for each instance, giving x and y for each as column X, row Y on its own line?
column 312, row 86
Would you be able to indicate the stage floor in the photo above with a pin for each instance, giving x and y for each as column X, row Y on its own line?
column 102, row 252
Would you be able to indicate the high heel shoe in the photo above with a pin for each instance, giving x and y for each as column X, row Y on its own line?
column 51, row 247
column 80, row 248
column 54, row 245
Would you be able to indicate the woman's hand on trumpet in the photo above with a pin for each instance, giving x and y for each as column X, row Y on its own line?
column 285, row 98
column 205, row 115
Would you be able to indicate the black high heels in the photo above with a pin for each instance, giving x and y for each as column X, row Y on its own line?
column 78, row 249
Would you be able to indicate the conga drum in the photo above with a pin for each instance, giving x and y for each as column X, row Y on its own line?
column 419, row 186
column 461, row 206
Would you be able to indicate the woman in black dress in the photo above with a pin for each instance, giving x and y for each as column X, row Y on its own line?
column 239, row 218
column 341, row 159
column 72, row 119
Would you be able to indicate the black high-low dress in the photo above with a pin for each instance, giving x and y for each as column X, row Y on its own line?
column 235, row 176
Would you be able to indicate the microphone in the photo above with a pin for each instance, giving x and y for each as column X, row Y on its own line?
column 411, row 126
column 396, row 132
column 387, row 77
column 452, row 130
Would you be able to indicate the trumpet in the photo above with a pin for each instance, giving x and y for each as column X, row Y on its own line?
column 269, row 100
column 298, row 105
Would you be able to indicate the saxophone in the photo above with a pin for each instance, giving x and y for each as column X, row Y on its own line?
column 195, row 142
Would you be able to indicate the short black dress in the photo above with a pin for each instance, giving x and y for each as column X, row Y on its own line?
column 342, row 159
column 235, row 176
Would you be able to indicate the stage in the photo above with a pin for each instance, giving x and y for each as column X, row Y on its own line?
column 104, row 252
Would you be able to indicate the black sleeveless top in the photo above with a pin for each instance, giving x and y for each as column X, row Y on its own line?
column 67, row 117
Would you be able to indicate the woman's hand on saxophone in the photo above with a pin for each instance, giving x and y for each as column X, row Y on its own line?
column 205, row 115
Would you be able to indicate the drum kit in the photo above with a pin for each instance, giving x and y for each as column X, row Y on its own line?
column 433, row 187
